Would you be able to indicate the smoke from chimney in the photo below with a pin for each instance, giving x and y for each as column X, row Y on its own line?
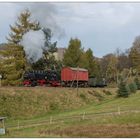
column 48, row 17
column 34, row 41
column 34, row 44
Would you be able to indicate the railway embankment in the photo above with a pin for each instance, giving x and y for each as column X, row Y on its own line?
column 28, row 102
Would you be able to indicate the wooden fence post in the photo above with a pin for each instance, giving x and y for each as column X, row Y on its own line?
column 18, row 124
column 0, row 79
column 83, row 116
column 119, row 112
column 51, row 120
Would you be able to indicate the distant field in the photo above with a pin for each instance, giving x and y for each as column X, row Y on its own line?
column 92, row 112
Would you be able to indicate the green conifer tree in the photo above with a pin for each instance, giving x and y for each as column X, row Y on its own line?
column 133, row 87
column 48, row 60
column 134, row 54
column 123, row 90
column 73, row 54
column 137, row 82
column 89, row 62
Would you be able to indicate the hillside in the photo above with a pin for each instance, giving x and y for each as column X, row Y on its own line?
column 92, row 115
column 22, row 102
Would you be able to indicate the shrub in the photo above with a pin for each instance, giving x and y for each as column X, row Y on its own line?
column 4, row 82
column 83, row 96
column 98, row 95
column 54, row 106
column 137, row 83
column 123, row 90
column 133, row 87
column 107, row 92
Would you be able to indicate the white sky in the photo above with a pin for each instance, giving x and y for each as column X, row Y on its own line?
column 103, row 27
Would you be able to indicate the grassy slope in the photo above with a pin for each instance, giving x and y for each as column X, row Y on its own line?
column 97, row 125
column 22, row 103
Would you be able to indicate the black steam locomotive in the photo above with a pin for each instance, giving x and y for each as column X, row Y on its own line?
column 41, row 78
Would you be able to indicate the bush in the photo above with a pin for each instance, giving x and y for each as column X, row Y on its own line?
column 83, row 96
column 137, row 83
column 133, row 87
column 107, row 92
column 54, row 106
column 4, row 82
column 98, row 95
column 123, row 90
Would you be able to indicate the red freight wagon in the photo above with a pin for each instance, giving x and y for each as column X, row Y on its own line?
column 70, row 76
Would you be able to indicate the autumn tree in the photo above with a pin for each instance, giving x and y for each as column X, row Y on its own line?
column 104, row 64
column 123, row 62
column 13, row 56
column 112, row 68
column 12, row 64
column 22, row 26
column 135, row 54
column 108, row 65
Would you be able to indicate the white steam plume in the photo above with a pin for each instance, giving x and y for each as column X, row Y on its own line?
column 47, row 15
column 34, row 43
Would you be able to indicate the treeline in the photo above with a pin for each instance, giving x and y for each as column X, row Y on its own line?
column 113, row 67
column 120, row 69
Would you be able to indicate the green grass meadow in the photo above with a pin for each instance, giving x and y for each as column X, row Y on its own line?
column 92, row 112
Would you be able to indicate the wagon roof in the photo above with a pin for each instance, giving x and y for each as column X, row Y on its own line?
column 80, row 69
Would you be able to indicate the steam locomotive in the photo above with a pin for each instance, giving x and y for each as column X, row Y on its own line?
column 41, row 78
column 69, row 77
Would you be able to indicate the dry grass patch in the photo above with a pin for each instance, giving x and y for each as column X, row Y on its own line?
column 25, row 102
column 99, row 131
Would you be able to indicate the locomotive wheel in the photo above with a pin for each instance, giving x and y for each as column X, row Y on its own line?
column 33, row 84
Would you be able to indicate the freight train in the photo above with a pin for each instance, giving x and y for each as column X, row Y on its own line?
column 69, row 77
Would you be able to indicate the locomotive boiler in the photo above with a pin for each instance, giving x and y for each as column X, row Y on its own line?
column 41, row 78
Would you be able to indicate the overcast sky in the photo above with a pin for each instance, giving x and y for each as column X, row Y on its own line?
column 103, row 27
